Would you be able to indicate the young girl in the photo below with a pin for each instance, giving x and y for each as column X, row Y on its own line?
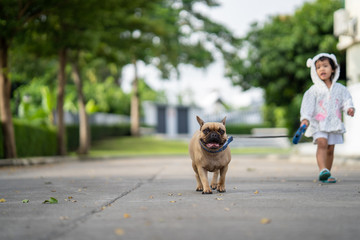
column 321, row 110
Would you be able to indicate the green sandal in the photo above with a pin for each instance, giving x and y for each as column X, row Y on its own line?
column 330, row 180
column 324, row 175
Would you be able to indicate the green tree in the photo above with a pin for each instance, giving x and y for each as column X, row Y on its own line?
column 67, row 28
column 162, row 34
column 277, row 51
column 117, row 32
column 15, row 20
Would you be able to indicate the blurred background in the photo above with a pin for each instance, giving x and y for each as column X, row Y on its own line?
column 128, row 77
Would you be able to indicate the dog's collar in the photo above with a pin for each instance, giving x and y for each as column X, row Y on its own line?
column 219, row 150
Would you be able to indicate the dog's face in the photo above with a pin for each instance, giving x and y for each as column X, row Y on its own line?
column 212, row 134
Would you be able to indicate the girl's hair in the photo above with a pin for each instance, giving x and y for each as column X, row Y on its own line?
column 332, row 64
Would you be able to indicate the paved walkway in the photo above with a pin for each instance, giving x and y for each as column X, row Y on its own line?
column 154, row 198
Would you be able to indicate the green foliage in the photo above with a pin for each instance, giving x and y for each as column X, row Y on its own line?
column 36, row 103
column 107, row 97
column 277, row 51
column 243, row 128
column 275, row 116
column 14, row 16
column 27, row 66
column 34, row 140
column 157, row 32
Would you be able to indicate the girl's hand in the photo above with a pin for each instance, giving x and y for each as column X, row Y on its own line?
column 351, row 112
column 305, row 121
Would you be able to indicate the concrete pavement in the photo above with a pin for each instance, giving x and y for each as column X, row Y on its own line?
column 154, row 198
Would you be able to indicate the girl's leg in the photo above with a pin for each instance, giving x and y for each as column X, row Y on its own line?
column 330, row 156
column 329, row 162
column 322, row 153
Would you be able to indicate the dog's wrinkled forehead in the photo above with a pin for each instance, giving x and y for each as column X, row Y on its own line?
column 213, row 126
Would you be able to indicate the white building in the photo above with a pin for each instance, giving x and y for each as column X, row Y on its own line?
column 347, row 28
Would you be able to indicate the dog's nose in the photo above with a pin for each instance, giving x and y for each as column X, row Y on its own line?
column 213, row 135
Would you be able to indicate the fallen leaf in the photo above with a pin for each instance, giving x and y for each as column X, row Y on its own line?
column 256, row 192
column 25, row 201
column 63, row 218
column 119, row 231
column 219, row 199
column 265, row 221
column 179, row 194
column 227, row 209
column 151, row 197
column 173, row 201
column 2, row 200
column 126, row 215
column 170, row 194
column 51, row 201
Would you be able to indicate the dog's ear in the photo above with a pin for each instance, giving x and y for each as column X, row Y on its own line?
column 200, row 121
column 223, row 121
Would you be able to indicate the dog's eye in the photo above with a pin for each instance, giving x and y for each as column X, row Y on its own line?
column 206, row 131
column 221, row 131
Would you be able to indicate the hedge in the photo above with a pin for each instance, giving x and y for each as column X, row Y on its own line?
column 242, row 129
column 32, row 140
column 98, row 132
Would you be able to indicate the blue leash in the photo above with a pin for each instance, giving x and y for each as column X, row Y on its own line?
column 299, row 134
column 221, row 149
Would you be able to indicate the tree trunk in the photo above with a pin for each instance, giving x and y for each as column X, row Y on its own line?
column 5, row 110
column 61, row 149
column 84, row 129
column 135, row 105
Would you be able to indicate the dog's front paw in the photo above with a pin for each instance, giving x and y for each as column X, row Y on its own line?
column 199, row 188
column 221, row 189
column 213, row 186
column 207, row 191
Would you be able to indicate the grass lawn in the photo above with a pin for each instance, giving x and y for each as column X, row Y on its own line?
column 131, row 146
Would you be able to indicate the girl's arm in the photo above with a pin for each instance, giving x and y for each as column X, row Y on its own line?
column 307, row 107
column 348, row 105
